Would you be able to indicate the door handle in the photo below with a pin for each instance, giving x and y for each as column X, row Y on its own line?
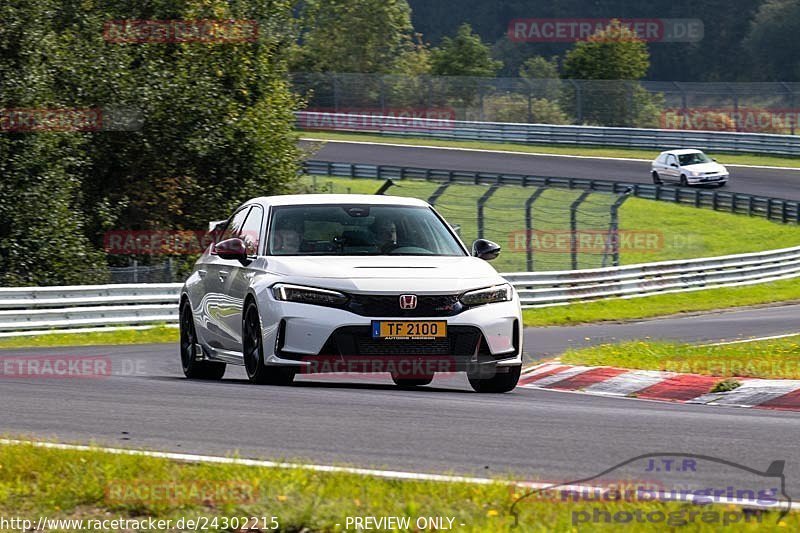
column 223, row 275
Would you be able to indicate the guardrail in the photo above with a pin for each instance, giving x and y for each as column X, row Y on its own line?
column 655, row 139
column 775, row 209
column 30, row 310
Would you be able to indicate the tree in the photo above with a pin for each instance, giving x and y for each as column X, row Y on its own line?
column 41, row 238
column 611, row 61
column 539, row 68
column 216, row 129
column 772, row 40
column 368, row 36
column 463, row 55
column 613, row 53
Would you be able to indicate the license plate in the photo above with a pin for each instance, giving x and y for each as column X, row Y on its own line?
column 408, row 329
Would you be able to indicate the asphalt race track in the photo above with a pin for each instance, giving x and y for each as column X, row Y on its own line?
column 444, row 428
column 776, row 183
column 367, row 422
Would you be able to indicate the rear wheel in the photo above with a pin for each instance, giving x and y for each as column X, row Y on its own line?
column 656, row 179
column 253, row 352
column 405, row 382
column 192, row 367
column 684, row 182
column 497, row 383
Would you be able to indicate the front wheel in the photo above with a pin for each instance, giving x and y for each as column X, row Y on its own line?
column 192, row 367
column 498, row 383
column 684, row 181
column 253, row 352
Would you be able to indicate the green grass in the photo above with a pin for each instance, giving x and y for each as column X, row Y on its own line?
column 771, row 359
column 596, row 151
column 661, row 305
column 156, row 334
column 37, row 482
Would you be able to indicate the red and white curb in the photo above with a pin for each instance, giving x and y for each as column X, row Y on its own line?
column 782, row 394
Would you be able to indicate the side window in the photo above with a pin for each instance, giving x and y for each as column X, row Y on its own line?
column 251, row 230
column 234, row 226
column 671, row 159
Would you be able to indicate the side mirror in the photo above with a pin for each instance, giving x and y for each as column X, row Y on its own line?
column 231, row 249
column 714, row 159
column 674, row 165
column 486, row 250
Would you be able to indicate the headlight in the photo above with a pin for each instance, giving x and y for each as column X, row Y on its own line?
column 307, row 295
column 489, row 295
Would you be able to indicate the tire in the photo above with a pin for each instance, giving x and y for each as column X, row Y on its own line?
column 253, row 353
column 656, row 179
column 411, row 382
column 498, row 383
column 684, row 182
column 192, row 368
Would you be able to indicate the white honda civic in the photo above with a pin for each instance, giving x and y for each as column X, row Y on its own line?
column 349, row 283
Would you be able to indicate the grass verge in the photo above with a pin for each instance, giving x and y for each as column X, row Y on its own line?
column 769, row 359
column 93, row 485
column 589, row 151
column 664, row 304
column 156, row 334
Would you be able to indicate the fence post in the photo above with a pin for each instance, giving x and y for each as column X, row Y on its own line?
column 438, row 192
column 481, row 202
column 529, row 227
column 614, row 228
column 573, row 228
column 388, row 183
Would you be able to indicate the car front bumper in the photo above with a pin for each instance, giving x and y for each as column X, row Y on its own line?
column 707, row 180
column 304, row 336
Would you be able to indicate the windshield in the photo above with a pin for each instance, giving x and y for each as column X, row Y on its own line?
column 694, row 158
column 359, row 230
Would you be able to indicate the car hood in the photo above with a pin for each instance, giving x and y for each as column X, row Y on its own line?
column 431, row 274
column 705, row 167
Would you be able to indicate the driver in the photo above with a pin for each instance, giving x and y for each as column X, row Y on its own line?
column 287, row 238
column 385, row 233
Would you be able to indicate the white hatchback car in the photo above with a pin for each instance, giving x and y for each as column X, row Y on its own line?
column 688, row 167
column 349, row 283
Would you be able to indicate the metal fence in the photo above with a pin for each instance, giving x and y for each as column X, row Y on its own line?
column 519, row 133
column 775, row 209
column 747, row 107
column 31, row 310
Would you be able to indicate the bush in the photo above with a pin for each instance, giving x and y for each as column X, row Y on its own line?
column 514, row 108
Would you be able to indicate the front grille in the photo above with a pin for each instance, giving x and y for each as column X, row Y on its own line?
column 389, row 306
column 370, row 346
column 357, row 340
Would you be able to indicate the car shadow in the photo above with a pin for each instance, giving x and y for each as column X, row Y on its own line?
column 317, row 384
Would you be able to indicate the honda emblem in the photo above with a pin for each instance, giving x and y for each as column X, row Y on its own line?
column 408, row 301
